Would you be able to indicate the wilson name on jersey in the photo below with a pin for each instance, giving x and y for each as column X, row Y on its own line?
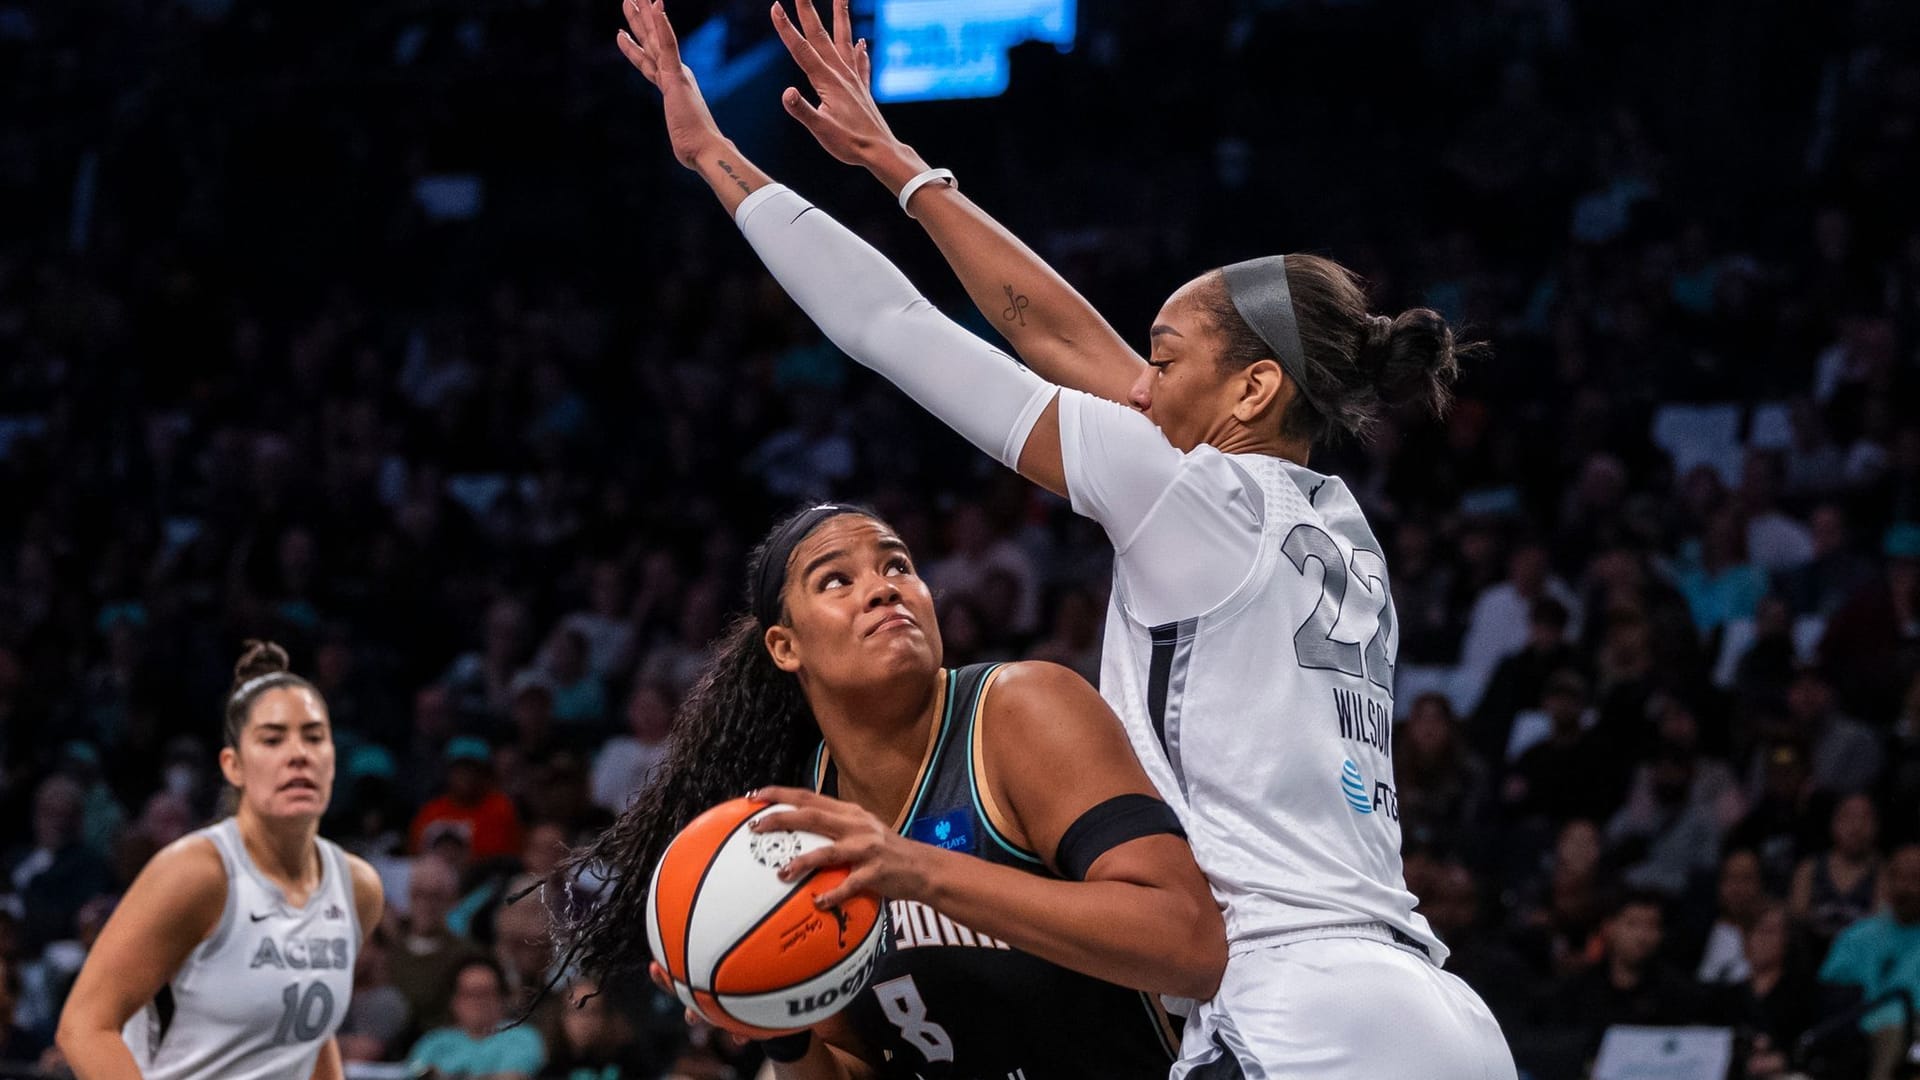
column 947, row 1002
column 1267, row 720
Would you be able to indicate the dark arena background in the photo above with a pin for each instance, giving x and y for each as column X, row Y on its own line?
column 390, row 331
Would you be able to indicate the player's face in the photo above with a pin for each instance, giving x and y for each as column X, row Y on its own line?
column 284, row 764
column 1184, row 389
column 857, row 612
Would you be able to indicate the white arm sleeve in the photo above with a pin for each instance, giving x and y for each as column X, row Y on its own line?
column 874, row 314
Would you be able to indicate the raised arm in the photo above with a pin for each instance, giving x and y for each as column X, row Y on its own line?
column 874, row 314
column 649, row 45
column 1052, row 327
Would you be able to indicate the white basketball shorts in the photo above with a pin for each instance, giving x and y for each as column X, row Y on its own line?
column 1345, row 1003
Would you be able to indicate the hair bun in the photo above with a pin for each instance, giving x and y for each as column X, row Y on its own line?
column 259, row 658
column 1376, row 338
column 1412, row 357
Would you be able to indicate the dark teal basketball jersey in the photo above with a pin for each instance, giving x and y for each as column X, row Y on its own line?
column 949, row 1003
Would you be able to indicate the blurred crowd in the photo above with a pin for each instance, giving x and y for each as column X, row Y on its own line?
column 396, row 337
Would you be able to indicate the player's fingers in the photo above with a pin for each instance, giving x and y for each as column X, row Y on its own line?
column 843, row 29
column 855, row 884
column 799, row 47
column 863, row 63
column 637, row 56
column 640, row 21
column 664, row 43
column 792, row 796
column 817, row 820
column 805, row 111
column 811, row 25
column 659, row 976
column 802, row 865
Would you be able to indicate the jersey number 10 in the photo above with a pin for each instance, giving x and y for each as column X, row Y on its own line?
column 298, row 1022
column 1314, row 643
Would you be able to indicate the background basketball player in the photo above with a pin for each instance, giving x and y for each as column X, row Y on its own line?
column 232, row 954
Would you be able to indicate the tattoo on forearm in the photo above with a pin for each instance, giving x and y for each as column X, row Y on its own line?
column 728, row 169
column 1016, row 307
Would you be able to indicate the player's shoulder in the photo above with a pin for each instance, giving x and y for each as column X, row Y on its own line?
column 1020, row 680
column 188, row 873
column 1037, row 700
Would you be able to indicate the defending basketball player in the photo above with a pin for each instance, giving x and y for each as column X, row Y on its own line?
column 1250, row 639
column 232, row 953
column 1030, row 904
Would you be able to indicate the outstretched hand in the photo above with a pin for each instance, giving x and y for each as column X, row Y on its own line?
column 649, row 44
column 847, row 121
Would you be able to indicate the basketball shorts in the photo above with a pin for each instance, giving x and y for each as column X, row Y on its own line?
column 1346, row 1003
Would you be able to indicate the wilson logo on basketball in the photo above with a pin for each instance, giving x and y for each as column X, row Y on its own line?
column 813, row 1003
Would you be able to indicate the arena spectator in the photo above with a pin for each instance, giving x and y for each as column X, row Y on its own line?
column 593, row 1038
column 426, row 950
column 1882, row 953
column 480, row 1044
column 625, row 760
column 1838, row 887
column 1522, row 677
column 579, row 698
column 472, row 810
column 379, row 1015
column 1440, row 782
column 1716, row 577
column 55, row 874
column 1499, row 624
column 1872, row 643
column 1741, row 898
column 1780, row 827
column 1777, row 999
column 1630, row 984
column 1847, row 756
column 1824, row 583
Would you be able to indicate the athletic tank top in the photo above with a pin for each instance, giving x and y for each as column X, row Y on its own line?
column 948, row 1003
column 1266, row 721
column 262, row 995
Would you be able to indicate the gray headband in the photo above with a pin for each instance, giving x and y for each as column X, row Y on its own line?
column 1258, row 289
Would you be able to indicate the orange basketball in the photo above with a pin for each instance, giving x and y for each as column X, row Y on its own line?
column 745, row 949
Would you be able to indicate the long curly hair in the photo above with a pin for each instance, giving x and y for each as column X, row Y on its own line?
column 745, row 724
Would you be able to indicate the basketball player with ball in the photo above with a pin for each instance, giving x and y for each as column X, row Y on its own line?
column 1038, row 894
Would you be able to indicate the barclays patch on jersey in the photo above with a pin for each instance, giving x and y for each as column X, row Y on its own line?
column 952, row 830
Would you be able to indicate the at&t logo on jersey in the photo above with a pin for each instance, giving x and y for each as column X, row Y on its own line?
column 1353, row 788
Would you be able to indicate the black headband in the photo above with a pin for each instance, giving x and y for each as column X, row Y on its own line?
column 1258, row 289
column 773, row 568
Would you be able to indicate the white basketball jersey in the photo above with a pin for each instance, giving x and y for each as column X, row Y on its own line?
column 258, row 999
column 1266, row 721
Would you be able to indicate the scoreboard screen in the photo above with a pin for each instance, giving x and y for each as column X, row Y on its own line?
column 929, row 49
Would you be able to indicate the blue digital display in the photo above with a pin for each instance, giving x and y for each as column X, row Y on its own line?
column 929, row 49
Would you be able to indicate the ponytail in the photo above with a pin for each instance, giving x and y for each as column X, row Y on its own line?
column 744, row 725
